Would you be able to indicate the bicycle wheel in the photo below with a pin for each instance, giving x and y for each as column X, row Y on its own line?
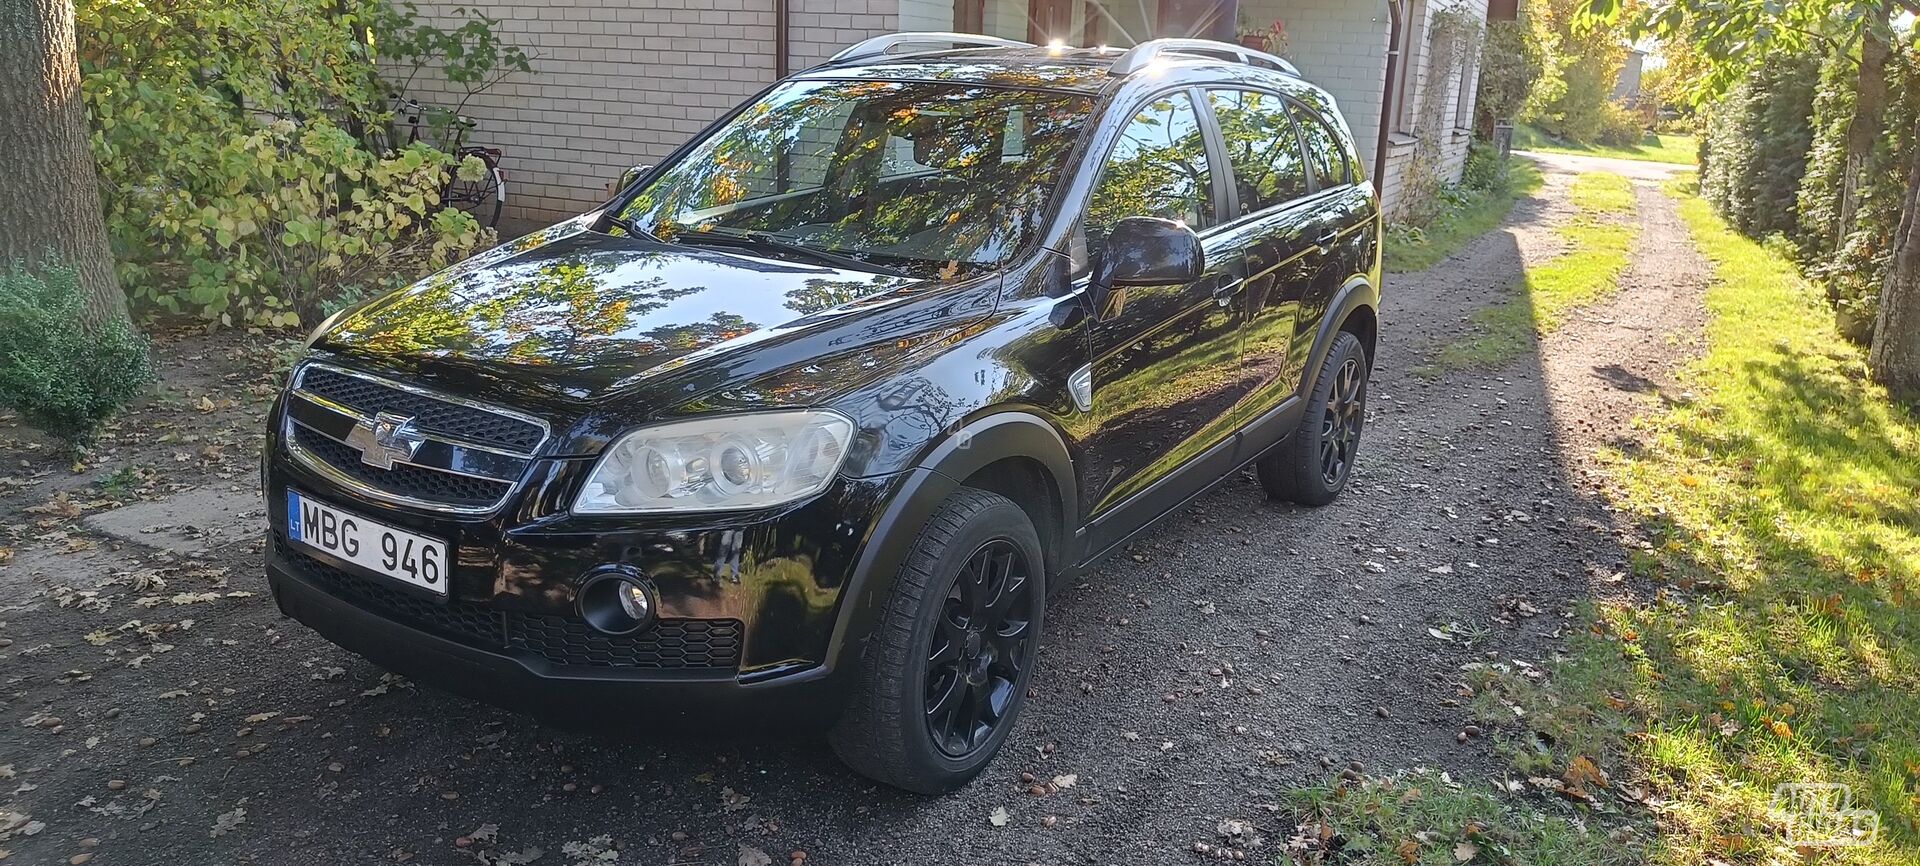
column 484, row 197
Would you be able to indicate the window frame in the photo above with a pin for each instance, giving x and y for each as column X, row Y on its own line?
column 1299, row 144
column 1348, row 161
column 1220, row 187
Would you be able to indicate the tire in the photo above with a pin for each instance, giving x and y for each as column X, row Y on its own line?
column 1316, row 461
column 888, row 732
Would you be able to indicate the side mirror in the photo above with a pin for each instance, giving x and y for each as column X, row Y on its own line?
column 630, row 177
column 1144, row 251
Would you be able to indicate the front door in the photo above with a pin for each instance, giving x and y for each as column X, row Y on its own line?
column 1164, row 357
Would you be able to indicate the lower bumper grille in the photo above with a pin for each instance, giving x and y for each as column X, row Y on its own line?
column 671, row 644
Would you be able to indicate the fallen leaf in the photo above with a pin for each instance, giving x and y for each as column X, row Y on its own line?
column 999, row 816
column 751, row 856
column 1465, row 851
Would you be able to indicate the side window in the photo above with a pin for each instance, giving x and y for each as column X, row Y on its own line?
column 1268, row 170
column 1158, row 168
column 1325, row 153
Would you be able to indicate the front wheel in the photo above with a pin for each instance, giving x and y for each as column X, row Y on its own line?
column 947, row 672
column 1314, row 464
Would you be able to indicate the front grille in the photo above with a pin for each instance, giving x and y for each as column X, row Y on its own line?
column 670, row 644
column 370, row 397
column 445, row 453
column 413, row 482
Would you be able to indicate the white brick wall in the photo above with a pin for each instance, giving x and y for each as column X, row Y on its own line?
column 619, row 82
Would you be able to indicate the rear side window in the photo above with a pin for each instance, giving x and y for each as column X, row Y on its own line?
column 1268, row 170
column 1325, row 153
column 1158, row 168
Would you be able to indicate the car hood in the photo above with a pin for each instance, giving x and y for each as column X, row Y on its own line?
column 578, row 315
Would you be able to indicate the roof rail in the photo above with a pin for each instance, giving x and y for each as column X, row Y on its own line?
column 1146, row 52
column 880, row 46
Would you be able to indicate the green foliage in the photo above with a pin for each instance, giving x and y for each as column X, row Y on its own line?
column 1852, row 260
column 1574, row 97
column 1757, row 140
column 59, row 374
column 1511, row 62
column 229, row 138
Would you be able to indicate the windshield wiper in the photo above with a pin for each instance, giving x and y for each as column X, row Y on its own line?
column 763, row 241
column 632, row 230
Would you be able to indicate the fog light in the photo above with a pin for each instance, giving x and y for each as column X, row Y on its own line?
column 617, row 602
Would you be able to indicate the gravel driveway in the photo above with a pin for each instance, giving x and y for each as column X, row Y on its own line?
column 1242, row 649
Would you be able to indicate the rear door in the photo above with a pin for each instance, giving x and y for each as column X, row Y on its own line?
column 1269, row 245
column 1342, row 218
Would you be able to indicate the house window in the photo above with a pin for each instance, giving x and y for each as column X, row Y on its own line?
column 1413, row 59
column 1463, row 110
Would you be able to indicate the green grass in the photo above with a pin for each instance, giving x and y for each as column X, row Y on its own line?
column 1779, row 638
column 1480, row 212
column 1425, row 818
column 1598, row 242
column 1677, row 149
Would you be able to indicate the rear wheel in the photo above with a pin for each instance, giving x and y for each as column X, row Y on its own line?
column 1314, row 464
column 947, row 673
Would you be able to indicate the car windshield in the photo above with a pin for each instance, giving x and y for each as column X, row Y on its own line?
column 928, row 178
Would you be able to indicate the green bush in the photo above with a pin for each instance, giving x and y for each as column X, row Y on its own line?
column 1852, row 263
column 1511, row 61
column 245, row 152
column 59, row 374
column 1757, row 140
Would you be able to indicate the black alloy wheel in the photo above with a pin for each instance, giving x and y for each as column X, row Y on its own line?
column 1340, row 424
column 941, row 684
column 1315, row 462
column 982, row 645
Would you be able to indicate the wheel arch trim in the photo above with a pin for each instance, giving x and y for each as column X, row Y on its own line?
column 919, row 495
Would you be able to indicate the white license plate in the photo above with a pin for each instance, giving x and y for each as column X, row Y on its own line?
column 370, row 544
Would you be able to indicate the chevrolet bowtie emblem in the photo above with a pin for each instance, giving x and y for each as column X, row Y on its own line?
column 385, row 439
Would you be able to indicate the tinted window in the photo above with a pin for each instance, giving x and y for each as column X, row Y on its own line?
column 1324, row 152
column 920, row 176
column 1267, row 168
column 1158, row 168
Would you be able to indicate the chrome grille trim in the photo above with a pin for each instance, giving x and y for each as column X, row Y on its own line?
column 351, row 416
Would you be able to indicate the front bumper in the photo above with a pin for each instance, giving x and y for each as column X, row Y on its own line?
column 806, row 696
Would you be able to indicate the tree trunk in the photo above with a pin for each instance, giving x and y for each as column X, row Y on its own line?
column 1869, row 117
column 49, row 191
column 1895, row 356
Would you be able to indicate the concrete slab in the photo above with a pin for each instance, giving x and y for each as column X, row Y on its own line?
column 200, row 520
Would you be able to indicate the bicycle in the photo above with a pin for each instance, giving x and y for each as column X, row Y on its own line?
column 472, row 196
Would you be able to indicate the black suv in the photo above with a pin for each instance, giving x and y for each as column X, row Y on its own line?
column 804, row 423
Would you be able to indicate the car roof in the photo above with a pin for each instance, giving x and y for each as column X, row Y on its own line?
column 1080, row 70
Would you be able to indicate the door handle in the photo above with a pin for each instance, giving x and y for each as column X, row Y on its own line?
column 1326, row 240
column 1228, row 287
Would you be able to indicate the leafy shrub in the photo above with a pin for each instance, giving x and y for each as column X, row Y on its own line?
column 1583, row 62
column 1851, row 261
column 1511, row 62
column 58, row 373
column 312, row 216
column 245, row 165
column 1757, row 140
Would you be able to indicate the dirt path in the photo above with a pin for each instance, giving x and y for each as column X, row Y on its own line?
column 1241, row 650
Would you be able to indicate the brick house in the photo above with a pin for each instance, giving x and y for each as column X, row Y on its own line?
column 622, row 82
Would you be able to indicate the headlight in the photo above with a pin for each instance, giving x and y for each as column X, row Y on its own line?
column 718, row 464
